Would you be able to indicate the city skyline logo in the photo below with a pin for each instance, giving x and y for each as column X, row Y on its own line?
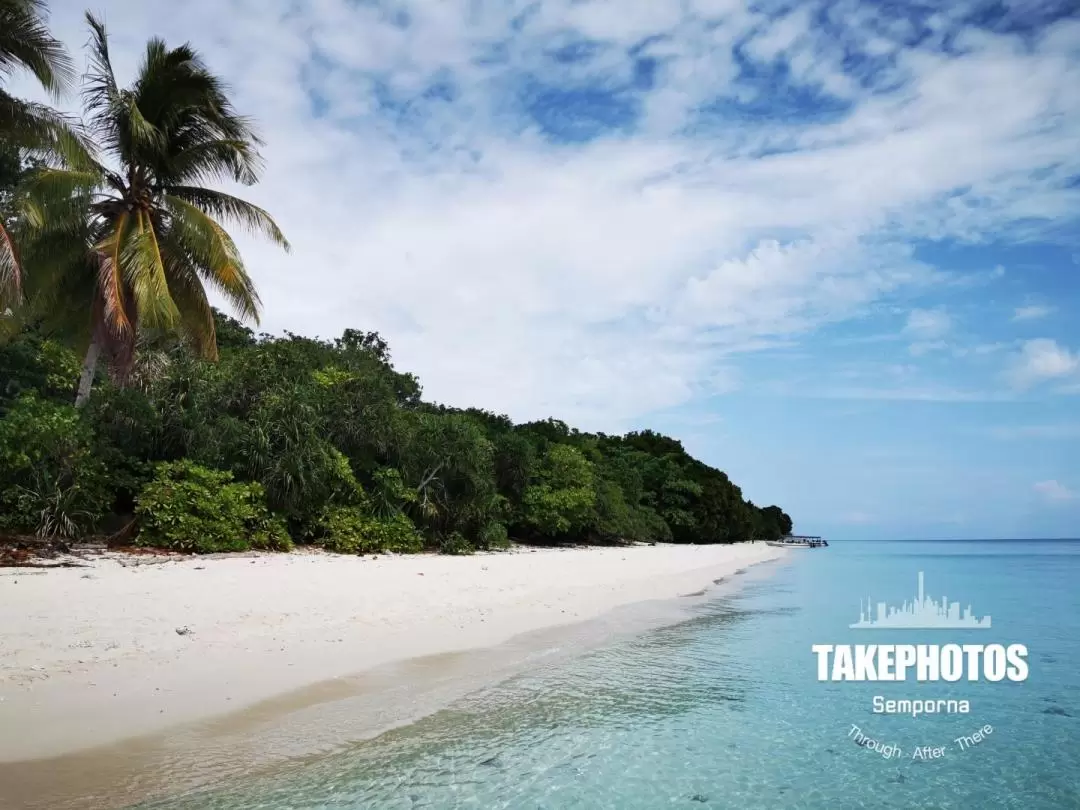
column 923, row 612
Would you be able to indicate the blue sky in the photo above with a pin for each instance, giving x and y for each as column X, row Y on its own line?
column 832, row 246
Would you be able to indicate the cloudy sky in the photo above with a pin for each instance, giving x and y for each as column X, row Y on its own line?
column 833, row 247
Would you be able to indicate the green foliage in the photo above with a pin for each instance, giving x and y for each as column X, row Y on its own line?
column 50, row 481
column 118, row 233
column 449, row 464
column 562, row 500
column 230, row 333
column 128, row 431
column 615, row 519
column 455, row 543
column 390, row 495
column 338, row 445
column 30, row 362
column 283, row 449
column 11, row 173
column 186, row 507
column 348, row 530
column 493, row 537
column 771, row 523
column 515, row 464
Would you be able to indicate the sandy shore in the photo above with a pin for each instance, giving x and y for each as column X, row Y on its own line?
column 98, row 654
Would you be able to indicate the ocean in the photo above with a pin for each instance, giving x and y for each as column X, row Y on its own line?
column 725, row 709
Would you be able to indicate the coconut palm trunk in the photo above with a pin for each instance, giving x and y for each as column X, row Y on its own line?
column 89, row 369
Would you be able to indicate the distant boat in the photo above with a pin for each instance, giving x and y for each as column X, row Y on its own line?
column 798, row 541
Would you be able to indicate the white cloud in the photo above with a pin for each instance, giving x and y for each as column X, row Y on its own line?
column 1031, row 313
column 1041, row 360
column 790, row 288
column 1053, row 491
column 927, row 324
column 600, row 281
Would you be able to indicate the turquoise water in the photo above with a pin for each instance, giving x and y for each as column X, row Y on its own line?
column 725, row 710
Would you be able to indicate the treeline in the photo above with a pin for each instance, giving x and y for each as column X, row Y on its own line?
column 294, row 440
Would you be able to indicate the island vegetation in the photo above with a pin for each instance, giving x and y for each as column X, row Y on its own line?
column 132, row 409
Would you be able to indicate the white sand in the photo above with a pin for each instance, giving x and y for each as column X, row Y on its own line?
column 90, row 656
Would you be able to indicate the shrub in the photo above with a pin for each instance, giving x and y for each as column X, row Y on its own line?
column 29, row 363
column 51, row 483
column 563, row 501
column 455, row 543
column 349, row 530
column 191, row 508
column 284, row 448
column 390, row 494
column 127, row 429
column 493, row 537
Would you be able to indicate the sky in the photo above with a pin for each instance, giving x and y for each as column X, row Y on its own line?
column 833, row 247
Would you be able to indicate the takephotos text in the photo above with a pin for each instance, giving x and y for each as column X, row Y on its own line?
column 922, row 662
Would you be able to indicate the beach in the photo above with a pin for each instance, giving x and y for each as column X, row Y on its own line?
column 125, row 647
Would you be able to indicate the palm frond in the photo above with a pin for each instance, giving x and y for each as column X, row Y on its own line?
column 10, row 272
column 220, row 205
column 60, row 281
column 71, row 146
column 101, row 96
column 48, row 183
column 189, row 105
column 144, row 274
column 141, row 133
column 178, row 92
column 54, row 259
column 53, row 200
column 111, row 281
column 25, row 43
column 214, row 159
column 213, row 252
column 137, row 248
column 42, row 130
column 196, row 314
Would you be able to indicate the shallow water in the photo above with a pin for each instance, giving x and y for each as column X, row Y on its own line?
column 725, row 710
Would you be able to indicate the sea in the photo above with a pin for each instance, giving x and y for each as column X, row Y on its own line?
column 725, row 709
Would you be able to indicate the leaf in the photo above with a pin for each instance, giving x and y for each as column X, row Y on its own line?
column 25, row 42
column 214, row 253
column 10, row 272
column 111, row 278
column 144, row 274
column 224, row 206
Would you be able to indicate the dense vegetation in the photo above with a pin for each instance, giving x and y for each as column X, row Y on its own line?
column 129, row 407
column 326, row 443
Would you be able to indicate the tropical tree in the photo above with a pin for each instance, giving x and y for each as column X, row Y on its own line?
column 26, row 44
column 127, row 240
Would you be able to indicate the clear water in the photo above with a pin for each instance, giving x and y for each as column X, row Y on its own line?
column 725, row 711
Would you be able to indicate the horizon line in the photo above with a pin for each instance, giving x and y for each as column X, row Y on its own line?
column 958, row 540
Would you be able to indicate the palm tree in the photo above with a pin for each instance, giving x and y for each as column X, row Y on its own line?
column 26, row 44
column 125, row 241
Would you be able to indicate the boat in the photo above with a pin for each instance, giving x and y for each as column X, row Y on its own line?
column 798, row 541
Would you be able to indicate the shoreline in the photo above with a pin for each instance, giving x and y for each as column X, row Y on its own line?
column 288, row 655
